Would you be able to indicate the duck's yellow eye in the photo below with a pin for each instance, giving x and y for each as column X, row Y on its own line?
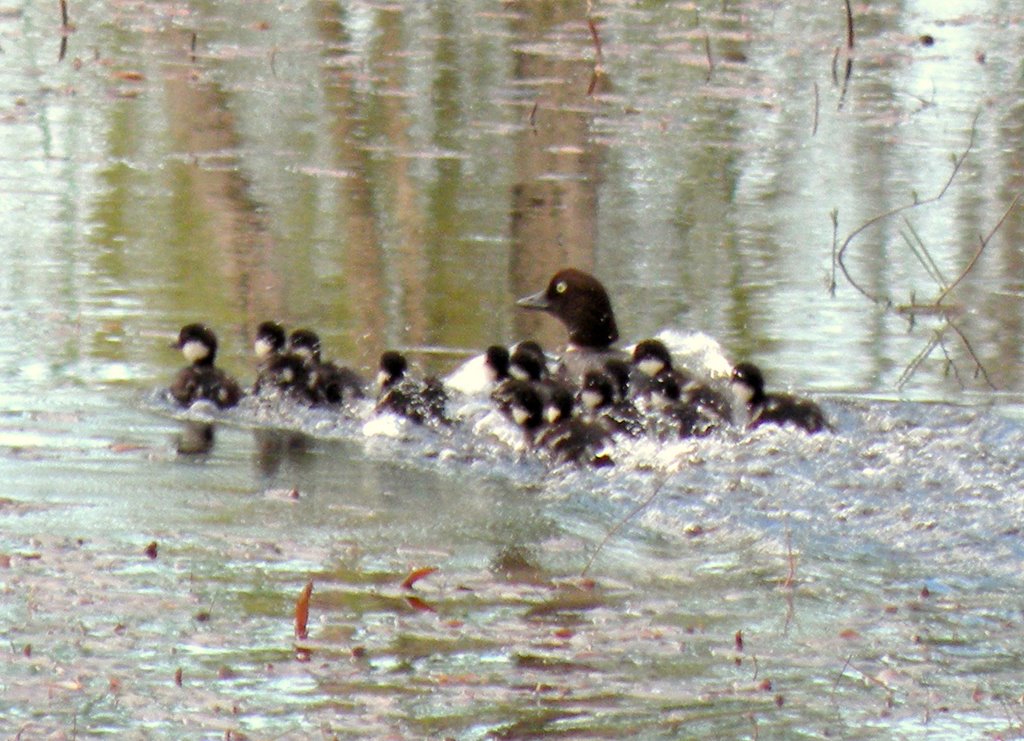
column 561, row 286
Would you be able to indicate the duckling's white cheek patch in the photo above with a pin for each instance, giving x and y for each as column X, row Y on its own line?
column 590, row 399
column 552, row 414
column 194, row 351
column 741, row 392
column 262, row 348
column 520, row 415
column 650, row 367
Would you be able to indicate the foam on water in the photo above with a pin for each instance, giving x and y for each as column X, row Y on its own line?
column 934, row 480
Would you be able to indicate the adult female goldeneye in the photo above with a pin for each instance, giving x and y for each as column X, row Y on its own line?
column 328, row 383
column 201, row 379
column 581, row 303
column 419, row 400
column 779, row 409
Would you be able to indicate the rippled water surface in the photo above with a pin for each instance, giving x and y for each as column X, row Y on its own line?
column 394, row 175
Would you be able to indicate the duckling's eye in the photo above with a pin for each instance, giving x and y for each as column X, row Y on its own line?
column 561, row 286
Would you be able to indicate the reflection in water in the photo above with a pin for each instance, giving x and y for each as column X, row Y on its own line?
column 274, row 447
column 397, row 173
column 557, row 163
column 195, row 438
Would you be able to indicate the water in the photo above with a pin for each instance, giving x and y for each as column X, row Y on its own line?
column 396, row 176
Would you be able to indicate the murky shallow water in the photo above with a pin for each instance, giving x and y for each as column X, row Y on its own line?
column 395, row 176
column 873, row 577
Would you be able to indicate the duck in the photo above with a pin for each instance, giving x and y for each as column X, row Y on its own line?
column 599, row 395
column 479, row 375
column 288, row 375
column 421, row 401
column 774, row 408
column 521, row 402
column 269, row 346
column 329, row 383
column 569, row 438
column 651, row 365
column 580, row 302
column 528, row 362
column 201, row 379
column 673, row 415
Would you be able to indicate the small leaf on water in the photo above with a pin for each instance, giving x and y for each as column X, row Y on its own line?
column 849, row 634
column 739, row 640
column 416, row 574
column 128, row 74
column 302, row 611
column 417, row 604
column 177, row 676
column 150, row 550
column 126, row 447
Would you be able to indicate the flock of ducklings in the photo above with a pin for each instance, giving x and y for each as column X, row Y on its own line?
column 569, row 411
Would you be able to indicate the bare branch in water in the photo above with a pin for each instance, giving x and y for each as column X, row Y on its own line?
column 849, row 25
column 958, row 162
column 834, row 214
column 951, row 365
column 65, row 30
column 919, row 250
column 618, row 525
column 817, row 105
column 981, row 248
column 937, row 340
column 979, row 368
column 707, row 51
column 914, row 364
column 595, row 37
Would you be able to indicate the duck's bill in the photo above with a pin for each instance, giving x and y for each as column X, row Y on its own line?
column 538, row 301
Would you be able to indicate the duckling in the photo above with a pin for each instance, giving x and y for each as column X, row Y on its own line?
column 652, row 361
column 598, row 397
column 568, row 438
column 773, row 408
column 201, row 379
column 329, row 383
column 672, row 415
column 419, row 400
